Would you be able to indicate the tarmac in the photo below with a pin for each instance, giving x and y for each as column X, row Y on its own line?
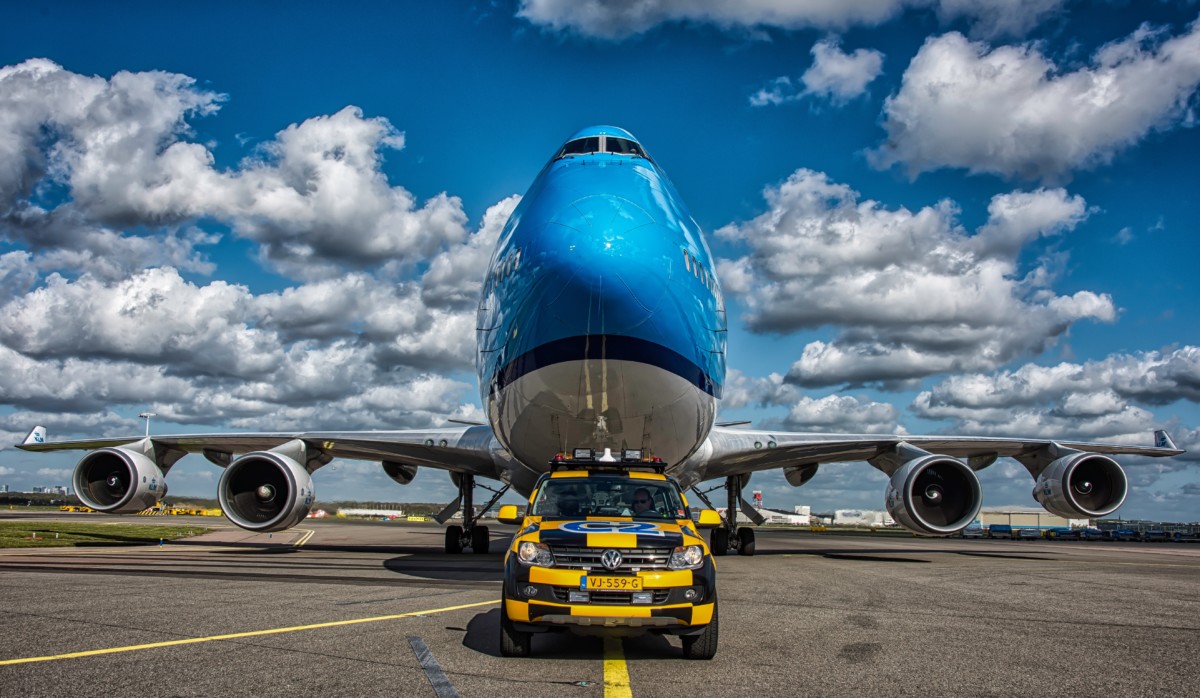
column 375, row 608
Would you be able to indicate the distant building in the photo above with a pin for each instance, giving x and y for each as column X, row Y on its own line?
column 861, row 517
column 3, row 488
column 384, row 513
column 774, row 516
column 1028, row 517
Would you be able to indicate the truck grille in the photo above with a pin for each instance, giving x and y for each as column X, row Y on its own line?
column 572, row 557
column 610, row 597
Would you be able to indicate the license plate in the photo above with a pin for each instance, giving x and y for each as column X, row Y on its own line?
column 611, row 583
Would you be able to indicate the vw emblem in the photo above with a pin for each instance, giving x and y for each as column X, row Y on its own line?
column 611, row 559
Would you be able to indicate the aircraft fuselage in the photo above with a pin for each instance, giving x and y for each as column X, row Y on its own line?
column 601, row 323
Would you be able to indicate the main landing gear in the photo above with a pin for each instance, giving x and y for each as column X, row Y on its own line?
column 470, row 534
column 728, row 536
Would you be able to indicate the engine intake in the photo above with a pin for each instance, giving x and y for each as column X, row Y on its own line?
column 1081, row 485
column 265, row 491
column 118, row 481
column 934, row 495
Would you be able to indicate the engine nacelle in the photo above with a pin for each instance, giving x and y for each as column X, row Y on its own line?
column 265, row 491
column 797, row 475
column 402, row 473
column 1081, row 485
column 118, row 481
column 934, row 495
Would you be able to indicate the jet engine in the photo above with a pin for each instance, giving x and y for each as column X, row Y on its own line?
column 934, row 495
column 118, row 481
column 1081, row 485
column 797, row 475
column 265, row 491
column 402, row 473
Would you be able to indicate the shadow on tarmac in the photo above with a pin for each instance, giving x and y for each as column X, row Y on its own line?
column 483, row 636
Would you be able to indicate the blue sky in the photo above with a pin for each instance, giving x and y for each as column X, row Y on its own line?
column 932, row 216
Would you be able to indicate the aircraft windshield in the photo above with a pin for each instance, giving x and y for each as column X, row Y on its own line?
column 602, row 144
column 623, row 146
column 580, row 146
column 608, row 496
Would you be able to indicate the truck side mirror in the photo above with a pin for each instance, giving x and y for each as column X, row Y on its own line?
column 708, row 519
column 508, row 514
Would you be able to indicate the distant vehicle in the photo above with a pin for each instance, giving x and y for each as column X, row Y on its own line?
column 1028, row 534
column 1064, row 534
column 1125, row 534
column 1156, row 536
column 1187, row 538
column 973, row 532
column 1000, row 531
column 1091, row 534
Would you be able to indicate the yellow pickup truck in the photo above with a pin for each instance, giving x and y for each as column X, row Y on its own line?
column 609, row 549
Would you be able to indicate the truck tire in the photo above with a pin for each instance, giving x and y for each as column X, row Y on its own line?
column 513, row 642
column 453, row 540
column 704, row 645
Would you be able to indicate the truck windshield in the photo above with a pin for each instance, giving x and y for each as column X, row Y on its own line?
column 608, row 496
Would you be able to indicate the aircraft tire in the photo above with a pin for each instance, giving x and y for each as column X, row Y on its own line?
column 718, row 541
column 453, row 540
column 745, row 536
column 479, row 540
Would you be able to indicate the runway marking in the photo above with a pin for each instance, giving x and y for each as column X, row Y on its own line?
column 235, row 636
column 433, row 671
column 616, row 673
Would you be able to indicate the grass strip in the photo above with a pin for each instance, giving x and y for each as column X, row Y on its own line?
column 50, row 534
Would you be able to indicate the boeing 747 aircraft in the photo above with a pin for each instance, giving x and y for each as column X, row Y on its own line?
column 601, row 327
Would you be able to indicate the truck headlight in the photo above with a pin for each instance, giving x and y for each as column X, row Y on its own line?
column 686, row 558
column 530, row 553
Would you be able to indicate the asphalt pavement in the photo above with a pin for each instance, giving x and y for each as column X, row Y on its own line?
column 376, row 608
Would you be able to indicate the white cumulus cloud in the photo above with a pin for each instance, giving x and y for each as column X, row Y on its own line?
column 834, row 74
column 914, row 293
column 619, row 19
column 1012, row 111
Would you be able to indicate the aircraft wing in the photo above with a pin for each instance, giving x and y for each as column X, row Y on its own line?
column 740, row 451
column 466, row 449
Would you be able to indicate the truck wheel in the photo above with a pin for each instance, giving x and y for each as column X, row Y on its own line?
column 704, row 645
column 513, row 642
column 479, row 540
column 718, row 542
column 745, row 541
column 453, row 539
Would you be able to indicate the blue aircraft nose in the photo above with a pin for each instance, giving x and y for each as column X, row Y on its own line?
column 612, row 263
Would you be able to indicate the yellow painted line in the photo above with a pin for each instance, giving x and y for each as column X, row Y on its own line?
column 304, row 538
column 236, row 636
column 616, row 673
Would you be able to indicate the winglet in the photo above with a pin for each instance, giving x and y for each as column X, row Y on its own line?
column 37, row 435
column 1163, row 440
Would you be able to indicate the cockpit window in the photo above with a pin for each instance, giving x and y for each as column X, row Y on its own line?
column 580, row 146
column 602, row 144
column 623, row 146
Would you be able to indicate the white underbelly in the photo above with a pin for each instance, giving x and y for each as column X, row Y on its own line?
column 598, row 404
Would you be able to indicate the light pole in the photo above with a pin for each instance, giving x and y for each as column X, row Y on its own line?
column 146, row 416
